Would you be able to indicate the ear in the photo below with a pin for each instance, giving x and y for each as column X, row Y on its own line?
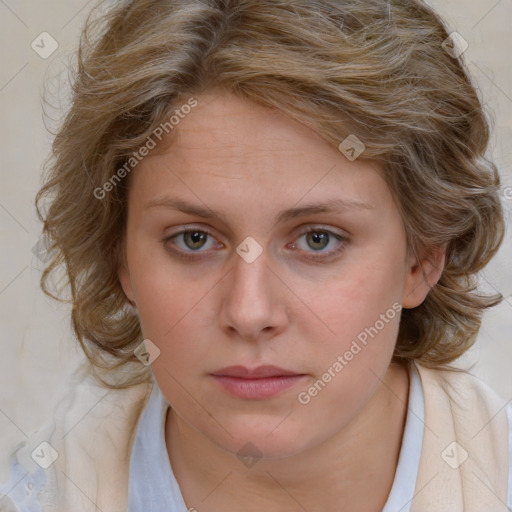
column 423, row 272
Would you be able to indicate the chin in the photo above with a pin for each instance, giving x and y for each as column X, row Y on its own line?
column 262, row 441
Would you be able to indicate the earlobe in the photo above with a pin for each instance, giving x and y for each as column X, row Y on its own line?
column 423, row 272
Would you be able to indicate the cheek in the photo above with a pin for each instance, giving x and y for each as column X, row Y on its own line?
column 352, row 362
column 172, row 315
column 356, row 299
column 361, row 309
column 162, row 292
column 360, row 340
column 175, row 313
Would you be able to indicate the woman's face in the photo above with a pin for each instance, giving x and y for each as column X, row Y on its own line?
column 252, row 242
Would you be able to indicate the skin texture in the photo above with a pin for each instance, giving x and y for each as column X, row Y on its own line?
column 338, row 452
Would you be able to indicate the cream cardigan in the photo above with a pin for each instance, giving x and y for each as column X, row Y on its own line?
column 94, row 428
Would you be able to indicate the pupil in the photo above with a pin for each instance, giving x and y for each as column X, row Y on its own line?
column 319, row 238
column 197, row 238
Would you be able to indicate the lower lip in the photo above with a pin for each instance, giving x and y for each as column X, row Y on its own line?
column 257, row 389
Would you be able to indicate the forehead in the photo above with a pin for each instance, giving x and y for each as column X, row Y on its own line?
column 220, row 120
column 228, row 149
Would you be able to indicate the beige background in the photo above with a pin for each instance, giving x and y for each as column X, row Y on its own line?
column 38, row 351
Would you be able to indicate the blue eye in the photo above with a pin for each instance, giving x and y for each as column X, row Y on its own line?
column 188, row 244
column 193, row 239
column 319, row 239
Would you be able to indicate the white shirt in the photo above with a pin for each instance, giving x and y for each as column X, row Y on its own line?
column 154, row 488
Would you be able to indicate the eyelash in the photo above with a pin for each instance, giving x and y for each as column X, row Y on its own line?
column 321, row 255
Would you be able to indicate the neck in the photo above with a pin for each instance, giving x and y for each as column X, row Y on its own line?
column 353, row 470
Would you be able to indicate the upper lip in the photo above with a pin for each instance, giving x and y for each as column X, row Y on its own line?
column 259, row 372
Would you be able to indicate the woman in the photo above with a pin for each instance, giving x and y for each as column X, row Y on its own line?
column 271, row 215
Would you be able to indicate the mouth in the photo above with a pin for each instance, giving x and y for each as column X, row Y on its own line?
column 258, row 383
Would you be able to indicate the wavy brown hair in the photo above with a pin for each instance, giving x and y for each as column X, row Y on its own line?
column 372, row 68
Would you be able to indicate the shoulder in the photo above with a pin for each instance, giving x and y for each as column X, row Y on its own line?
column 462, row 411
column 466, row 442
column 90, row 431
column 19, row 493
column 476, row 410
column 464, row 390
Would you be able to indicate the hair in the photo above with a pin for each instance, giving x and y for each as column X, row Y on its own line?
column 374, row 69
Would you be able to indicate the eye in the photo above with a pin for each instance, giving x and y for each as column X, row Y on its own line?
column 188, row 241
column 188, row 244
column 316, row 240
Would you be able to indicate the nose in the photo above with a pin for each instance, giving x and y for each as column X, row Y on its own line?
column 254, row 301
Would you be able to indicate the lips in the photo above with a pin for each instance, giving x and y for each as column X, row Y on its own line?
column 258, row 383
column 260, row 372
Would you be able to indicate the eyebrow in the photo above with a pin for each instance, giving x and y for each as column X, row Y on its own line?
column 329, row 206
